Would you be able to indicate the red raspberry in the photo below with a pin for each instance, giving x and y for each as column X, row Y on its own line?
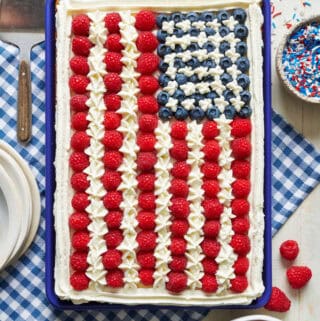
column 180, row 170
column 146, row 182
column 146, row 220
column 179, row 130
column 209, row 266
column 210, row 130
column 147, row 240
column 111, row 180
column 112, row 102
column 113, row 239
column 146, row 277
column 147, row 63
column 79, row 121
column 240, row 225
column 114, row 278
column 80, row 141
column 298, row 276
column 241, row 188
column 112, row 82
column 113, row 62
column 241, row 127
column 148, row 123
column 112, row 140
column 209, row 284
column 112, row 120
column 241, row 169
column 239, row 284
column 147, row 201
column 146, row 161
column 78, row 261
column 180, row 208
column 113, row 219
column 79, row 83
column 78, row 161
column 178, row 246
column 80, row 201
column 81, row 46
column 179, row 227
column 289, row 249
column 241, row 266
column 240, row 207
column 210, row 170
column 211, row 228
column 147, row 42
column 112, row 160
column 241, row 148
column 146, row 260
column 112, row 21
column 113, row 43
column 145, row 20
column 112, row 259
column 179, row 151
column 212, row 209
column 79, row 182
column 112, row 200
column 211, row 188
column 79, row 221
column 81, row 25
column 178, row 263
column 148, row 104
column 80, row 240
column 177, row 282
column 78, row 103
column 79, row 281
column 148, row 85
column 179, row 188
column 240, row 244
column 210, row 248
column 211, row 150
column 146, row 142
column 278, row 301
column 79, row 65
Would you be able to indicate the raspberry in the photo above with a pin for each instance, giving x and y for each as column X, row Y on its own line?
column 298, row 276
column 180, row 170
column 147, row 201
column 179, row 130
column 146, row 161
column 80, row 240
column 81, row 25
column 80, row 141
column 113, row 62
column 79, row 83
column 180, row 208
column 112, row 102
column 148, row 123
column 113, row 220
column 147, row 63
column 147, row 42
column 241, row 169
column 178, row 246
column 146, row 220
column 241, row 127
column 179, row 151
column 79, row 65
column 241, row 188
column 240, row 225
column 112, row 200
column 211, row 188
column 147, row 240
column 210, row 130
column 278, row 301
column 241, row 148
column 148, row 85
column 78, row 103
column 81, row 46
column 212, row 209
column 113, row 43
column 113, row 239
column 178, row 263
column 148, row 104
column 79, row 221
column 177, row 282
column 112, row 160
column 179, row 188
column 79, row 121
column 112, row 140
column 240, row 244
column 179, row 227
column 112, row 82
column 211, row 150
column 241, row 266
column 239, row 284
column 210, row 248
column 79, row 182
column 79, row 281
column 114, row 278
column 146, row 182
column 209, row 284
column 111, row 180
column 112, row 120
column 289, row 249
column 146, row 277
column 78, row 261
column 112, row 21
column 78, row 161
column 146, row 260
column 145, row 20
column 146, row 142
column 80, row 202
column 111, row 259
column 210, row 170
column 240, row 207
column 209, row 266
column 211, row 228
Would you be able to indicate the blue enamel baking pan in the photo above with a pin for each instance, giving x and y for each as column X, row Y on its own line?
column 50, row 176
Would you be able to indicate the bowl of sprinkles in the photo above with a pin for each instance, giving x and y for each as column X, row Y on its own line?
column 298, row 60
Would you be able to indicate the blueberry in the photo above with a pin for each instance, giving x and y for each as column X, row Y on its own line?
column 193, row 46
column 213, row 112
column 181, row 79
column 194, row 32
column 163, row 50
column 165, row 113
column 212, row 95
column 181, row 113
column 178, row 63
column 192, row 16
column 193, row 63
column 163, row 98
column 225, row 78
column 161, row 18
column 241, row 48
column 194, row 79
column 228, row 94
column 223, row 15
column 177, row 17
column 163, row 80
column 179, row 94
column 163, row 66
column 245, row 96
column 224, row 31
column 243, row 81
column 243, row 64
column 178, row 49
column 241, row 31
column 209, row 46
column 245, row 112
column 224, row 46
column 162, row 35
column 240, row 15
column 178, row 32
column 230, row 112
column 225, row 62
column 197, row 97
column 209, row 63
column 209, row 31
column 197, row 114
column 207, row 16
column 208, row 78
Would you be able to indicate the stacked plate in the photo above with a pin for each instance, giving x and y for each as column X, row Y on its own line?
column 19, row 206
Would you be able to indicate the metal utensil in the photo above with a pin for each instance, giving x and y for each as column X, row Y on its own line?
column 22, row 25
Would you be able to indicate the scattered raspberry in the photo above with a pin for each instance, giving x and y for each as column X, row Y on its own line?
column 178, row 263
column 148, row 85
column 113, row 219
column 209, row 284
column 112, row 21
column 211, row 228
column 147, row 201
column 112, row 160
column 80, row 141
column 240, row 207
column 80, row 240
column 241, row 148
column 240, row 244
column 81, row 46
column 212, row 209
column 111, row 180
column 79, row 281
column 79, row 221
column 211, row 188
column 148, row 123
column 180, row 170
column 79, row 65
column 78, row 103
column 177, row 282
column 112, row 102
column 113, row 43
column 146, row 220
column 210, row 248
column 209, row 266
column 81, row 25
column 148, row 104
column 147, row 240
column 113, row 62
column 179, row 151
column 112, row 82
column 146, row 142
column 145, row 20
column 79, row 182
column 111, row 259
column 112, row 200
column 79, row 121
column 147, row 42
column 113, row 239
column 241, row 188
column 239, row 284
column 115, row 278
column 241, row 169
column 241, row 266
column 298, row 276
column 112, row 140
column 179, row 188
column 241, row 127
column 146, row 161
column 146, row 260
column 178, row 246
column 211, row 150
column 112, row 120
column 179, row 227
column 240, row 225
column 79, row 83
column 180, row 208
column 78, row 161
column 147, row 63
column 80, row 201
column 289, row 249
column 210, row 130
column 278, row 302
column 78, row 261
column 146, row 182
column 146, row 277
column 179, row 130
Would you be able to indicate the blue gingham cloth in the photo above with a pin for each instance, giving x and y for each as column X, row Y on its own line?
column 296, row 171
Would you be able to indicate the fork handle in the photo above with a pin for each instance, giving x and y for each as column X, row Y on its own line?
column 24, row 122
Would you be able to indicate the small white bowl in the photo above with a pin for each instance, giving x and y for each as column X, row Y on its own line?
column 259, row 317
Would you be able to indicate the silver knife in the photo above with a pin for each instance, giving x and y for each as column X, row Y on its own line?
column 22, row 25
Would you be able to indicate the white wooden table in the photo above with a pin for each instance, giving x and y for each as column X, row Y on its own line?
column 304, row 224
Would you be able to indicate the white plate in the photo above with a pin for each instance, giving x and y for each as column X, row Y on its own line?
column 257, row 318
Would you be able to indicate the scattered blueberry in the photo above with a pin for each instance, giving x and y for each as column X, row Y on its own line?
column 207, row 16
column 165, row 113
column 163, row 50
column 245, row 112
column 181, row 113
column 194, row 32
column 240, row 15
column 163, row 98
column 178, row 49
column 228, row 94
column 160, row 19
column 230, row 112
column 212, row 95
column 163, row 66
column 162, row 35
column 241, row 31
column 213, row 112
column 197, row 114
column 224, row 46
column 209, row 63
column 193, row 63
column 243, row 81
column 245, row 96
column 193, row 16
column 241, row 48
column 223, row 15
column 193, row 46
column 225, row 62
column 163, row 80
column 177, row 17
column 243, row 64
column 209, row 46
column 194, row 78
column 179, row 94
column 209, row 31
column 181, row 79
column 225, row 78
column 224, row 31
column 178, row 63
column 178, row 32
